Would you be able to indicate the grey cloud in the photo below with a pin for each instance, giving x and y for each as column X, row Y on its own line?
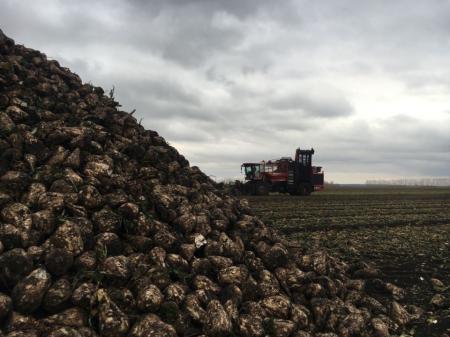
column 233, row 81
column 314, row 105
column 181, row 131
column 160, row 90
column 198, row 30
column 194, row 43
column 213, row 75
column 241, row 9
column 429, row 82
column 397, row 146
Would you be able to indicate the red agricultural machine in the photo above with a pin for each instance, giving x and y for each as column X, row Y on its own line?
column 297, row 177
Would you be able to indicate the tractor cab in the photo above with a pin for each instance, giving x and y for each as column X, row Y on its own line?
column 252, row 171
column 300, row 173
column 304, row 157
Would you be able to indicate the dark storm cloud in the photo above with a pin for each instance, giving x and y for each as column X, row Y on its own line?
column 363, row 82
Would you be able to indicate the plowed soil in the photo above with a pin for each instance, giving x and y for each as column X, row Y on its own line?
column 402, row 231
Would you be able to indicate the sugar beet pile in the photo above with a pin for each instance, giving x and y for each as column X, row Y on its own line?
column 106, row 230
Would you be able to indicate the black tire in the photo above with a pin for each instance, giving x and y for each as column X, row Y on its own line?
column 308, row 190
column 251, row 188
column 262, row 190
column 301, row 189
column 295, row 192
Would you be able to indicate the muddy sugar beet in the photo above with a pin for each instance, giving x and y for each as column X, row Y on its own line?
column 105, row 230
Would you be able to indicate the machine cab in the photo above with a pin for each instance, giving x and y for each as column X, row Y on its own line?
column 303, row 166
column 304, row 157
column 252, row 171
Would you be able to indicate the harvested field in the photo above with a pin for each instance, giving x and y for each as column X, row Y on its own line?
column 403, row 232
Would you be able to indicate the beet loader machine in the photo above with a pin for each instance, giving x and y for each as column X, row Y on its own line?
column 285, row 175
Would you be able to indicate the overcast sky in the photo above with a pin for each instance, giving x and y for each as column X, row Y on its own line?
column 366, row 83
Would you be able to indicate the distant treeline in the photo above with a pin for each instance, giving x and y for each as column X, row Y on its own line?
column 411, row 182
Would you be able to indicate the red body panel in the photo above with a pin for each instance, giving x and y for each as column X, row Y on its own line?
column 280, row 174
column 276, row 176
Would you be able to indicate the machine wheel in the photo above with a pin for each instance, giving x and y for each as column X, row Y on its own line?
column 301, row 190
column 262, row 190
column 307, row 190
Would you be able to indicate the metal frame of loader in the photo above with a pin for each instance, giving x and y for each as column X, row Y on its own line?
column 283, row 175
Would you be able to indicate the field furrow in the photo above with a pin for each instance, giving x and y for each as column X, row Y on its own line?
column 405, row 232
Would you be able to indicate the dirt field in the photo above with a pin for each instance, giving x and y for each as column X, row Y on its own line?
column 404, row 232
